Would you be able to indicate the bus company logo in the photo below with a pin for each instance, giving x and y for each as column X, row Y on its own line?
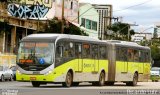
column 87, row 65
column 30, row 8
column 9, row 92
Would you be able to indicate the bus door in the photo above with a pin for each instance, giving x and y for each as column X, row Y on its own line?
column 95, row 58
column 123, row 54
column 141, row 56
column 78, row 54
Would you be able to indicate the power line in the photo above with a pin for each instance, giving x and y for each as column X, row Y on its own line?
column 133, row 6
column 113, row 11
column 82, row 13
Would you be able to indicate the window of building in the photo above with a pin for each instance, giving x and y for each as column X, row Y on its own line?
column 71, row 5
column 94, row 25
column 83, row 22
column 88, row 24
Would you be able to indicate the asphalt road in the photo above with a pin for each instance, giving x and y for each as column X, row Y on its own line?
column 25, row 88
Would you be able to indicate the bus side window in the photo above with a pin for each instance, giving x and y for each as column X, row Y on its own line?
column 71, row 49
column 142, row 57
column 121, row 54
column 147, row 56
column 130, row 55
column 94, row 51
column 66, row 50
column 59, row 53
column 78, row 50
column 102, row 52
column 86, row 50
column 136, row 55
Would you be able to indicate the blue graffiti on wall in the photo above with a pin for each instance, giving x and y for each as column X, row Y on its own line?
column 34, row 11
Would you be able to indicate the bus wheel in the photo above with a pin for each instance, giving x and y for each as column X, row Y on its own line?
column 69, row 80
column 134, row 82
column 35, row 83
column 102, row 79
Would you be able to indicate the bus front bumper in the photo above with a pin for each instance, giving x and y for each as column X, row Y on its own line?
column 43, row 78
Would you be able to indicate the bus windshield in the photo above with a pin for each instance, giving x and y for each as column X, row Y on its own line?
column 35, row 53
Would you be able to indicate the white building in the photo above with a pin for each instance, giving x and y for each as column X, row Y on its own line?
column 138, row 37
column 105, row 16
column 89, row 19
column 157, row 28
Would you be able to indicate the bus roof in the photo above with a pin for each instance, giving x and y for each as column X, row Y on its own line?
column 51, row 37
column 55, row 37
column 126, row 43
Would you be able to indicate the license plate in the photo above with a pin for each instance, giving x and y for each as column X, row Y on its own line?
column 32, row 78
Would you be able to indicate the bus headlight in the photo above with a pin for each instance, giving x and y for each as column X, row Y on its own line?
column 48, row 72
column 18, row 72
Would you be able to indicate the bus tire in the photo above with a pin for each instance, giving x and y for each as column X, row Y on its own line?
column 102, row 79
column 35, row 83
column 134, row 82
column 69, row 80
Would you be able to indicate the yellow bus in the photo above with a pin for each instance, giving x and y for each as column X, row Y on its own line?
column 73, row 59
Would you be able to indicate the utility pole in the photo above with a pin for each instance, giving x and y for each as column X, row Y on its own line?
column 110, row 23
column 128, row 32
column 146, row 34
column 129, row 29
column 62, row 28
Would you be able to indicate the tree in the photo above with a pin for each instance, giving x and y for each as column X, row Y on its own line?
column 55, row 26
column 154, row 44
column 121, row 30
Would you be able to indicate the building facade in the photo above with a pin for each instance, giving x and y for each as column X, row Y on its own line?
column 157, row 29
column 138, row 37
column 89, row 19
column 105, row 18
column 24, row 17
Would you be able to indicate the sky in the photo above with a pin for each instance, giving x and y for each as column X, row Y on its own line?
column 144, row 13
